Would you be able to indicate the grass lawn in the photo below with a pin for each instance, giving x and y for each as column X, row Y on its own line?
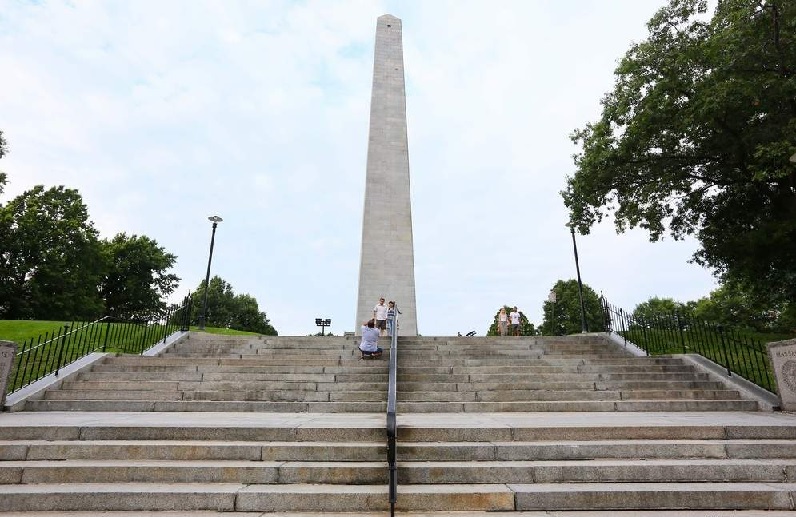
column 23, row 330
column 37, row 356
column 20, row 331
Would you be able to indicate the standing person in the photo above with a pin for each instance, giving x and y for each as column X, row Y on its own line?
column 503, row 321
column 391, row 310
column 514, row 316
column 380, row 315
column 370, row 339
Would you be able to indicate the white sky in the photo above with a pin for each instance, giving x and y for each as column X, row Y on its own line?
column 163, row 113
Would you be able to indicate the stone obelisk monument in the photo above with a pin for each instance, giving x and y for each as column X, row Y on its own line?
column 387, row 263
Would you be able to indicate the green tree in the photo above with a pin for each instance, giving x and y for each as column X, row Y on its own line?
column 659, row 307
column 3, row 151
column 226, row 310
column 137, row 281
column 696, row 137
column 247, row 316
column 731, row 304
column 526, row 327
column 51, row 263
column 563, row 316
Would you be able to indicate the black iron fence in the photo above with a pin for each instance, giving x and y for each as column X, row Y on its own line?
column 48, row 353
column 673, row 333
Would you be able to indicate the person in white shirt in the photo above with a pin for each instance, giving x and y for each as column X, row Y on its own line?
column 514, row 316
column 380, row 315
column 370, row 339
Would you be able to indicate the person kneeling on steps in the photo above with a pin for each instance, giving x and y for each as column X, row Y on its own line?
column 370, row 339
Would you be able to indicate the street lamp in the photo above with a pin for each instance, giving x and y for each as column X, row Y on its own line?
column 215, row 220
column 583, row 326
column 323, row 323
column 551, row 297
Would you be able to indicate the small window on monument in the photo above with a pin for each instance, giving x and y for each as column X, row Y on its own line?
column 388, row 25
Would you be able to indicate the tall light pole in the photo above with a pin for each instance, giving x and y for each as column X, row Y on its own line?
column 215, row 220
column 551, row 297
column 583, row 326
column 323, row 323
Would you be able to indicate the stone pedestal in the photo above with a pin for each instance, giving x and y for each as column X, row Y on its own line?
column 8, row 352
column 783, row 360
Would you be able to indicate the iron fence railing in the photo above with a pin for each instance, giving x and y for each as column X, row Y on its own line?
column 671, row 333
column 48, row 353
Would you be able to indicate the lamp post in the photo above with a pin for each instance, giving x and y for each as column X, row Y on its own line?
column 323, row 323
column 215, row 220
column 551, row 297
column 583, row 326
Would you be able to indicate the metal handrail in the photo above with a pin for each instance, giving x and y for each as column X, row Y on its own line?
column 48, row 354
column 677, row 333
column 391, row 422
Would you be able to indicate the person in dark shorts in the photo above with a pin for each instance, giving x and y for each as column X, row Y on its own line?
column 514, row 318
column 380, row 316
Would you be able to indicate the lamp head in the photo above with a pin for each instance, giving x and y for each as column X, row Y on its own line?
column 214, row 219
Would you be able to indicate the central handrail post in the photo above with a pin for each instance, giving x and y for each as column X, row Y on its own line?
column 391, row 403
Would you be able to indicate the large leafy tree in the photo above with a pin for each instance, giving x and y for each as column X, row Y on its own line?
column 696, row 138
column 3, row 151
column 657, row 307
column 137, row 280
column 227, row 310
column 563, row 316
column 50, row 260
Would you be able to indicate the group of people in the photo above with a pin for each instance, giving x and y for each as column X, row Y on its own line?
column 383, row 321
column 512, row 319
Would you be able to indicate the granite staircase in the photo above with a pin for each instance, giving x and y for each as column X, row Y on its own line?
column 291, row 425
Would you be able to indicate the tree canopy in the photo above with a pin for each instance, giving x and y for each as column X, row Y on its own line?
column 51, row 261
column 3, row 151
column 696, row 139
column 137, row 282
column 225, row 309
column 563, row 316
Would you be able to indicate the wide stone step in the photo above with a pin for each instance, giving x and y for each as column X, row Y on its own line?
column 193, row 497
column 142, row 385
column 359, row 473
column 706, row 496
column 597, row 449
column 18, row 450
column 563, row 395
column 343, row 498
column 599, row 471
column 231, row 395
column 206, row 406
column 556, row 377
column 193, row 471
column 578, row 406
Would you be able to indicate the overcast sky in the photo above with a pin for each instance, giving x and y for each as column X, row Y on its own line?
column 162, row 113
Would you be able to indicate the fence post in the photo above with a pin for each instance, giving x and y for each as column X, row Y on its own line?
column 166, row 325
column 720, row 328
column 107, row 332
column 680, row 329
column 61, row 350
column 187, row 305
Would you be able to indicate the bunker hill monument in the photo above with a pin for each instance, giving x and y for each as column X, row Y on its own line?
column 387, row 267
